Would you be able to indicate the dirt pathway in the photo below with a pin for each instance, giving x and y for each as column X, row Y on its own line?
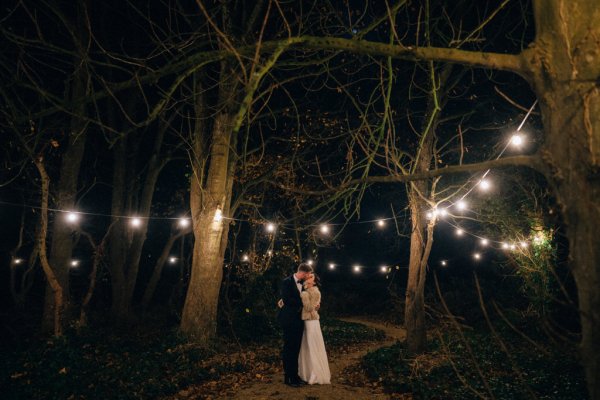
column 273, row 387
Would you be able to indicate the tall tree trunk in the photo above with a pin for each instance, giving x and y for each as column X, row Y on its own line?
column 61, row 248
column 200, row 310
column 199, row 316
column 158, row 268
column 126, row 242
column 421, row 238
column 575, row 132
column 414, row 306
column 52, row 279
column 565, row 68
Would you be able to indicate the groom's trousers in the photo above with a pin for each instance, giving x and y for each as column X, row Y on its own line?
column 292, row 340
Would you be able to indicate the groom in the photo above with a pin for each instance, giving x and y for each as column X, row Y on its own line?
column 291, row 321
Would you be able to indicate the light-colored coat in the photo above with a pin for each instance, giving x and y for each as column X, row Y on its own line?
column 310, row 298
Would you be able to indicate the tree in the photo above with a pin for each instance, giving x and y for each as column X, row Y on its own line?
column 561, row 65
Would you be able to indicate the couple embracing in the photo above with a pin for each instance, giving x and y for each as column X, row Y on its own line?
column 304, row 355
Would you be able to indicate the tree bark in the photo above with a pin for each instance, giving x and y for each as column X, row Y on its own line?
column 126, row 242
column 200, row 309
column 565, row 71
column 51, row 277
column 61, row 247
column 158, row 268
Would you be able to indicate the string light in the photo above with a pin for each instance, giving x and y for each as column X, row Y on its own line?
column 444, row 263
column 218, row 215
column 172, row 260
column 72, row 217
column 485, row 184
column 136, row 222
column 17, row 261
column 74, row 263
column 516, row 140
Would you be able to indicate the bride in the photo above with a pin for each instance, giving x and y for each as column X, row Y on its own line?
column 313, row 366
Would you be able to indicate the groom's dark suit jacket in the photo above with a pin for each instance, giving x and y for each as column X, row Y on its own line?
column 292, row 303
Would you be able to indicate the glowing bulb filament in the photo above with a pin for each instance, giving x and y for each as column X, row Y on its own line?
column 72, row 217
column 218, row 215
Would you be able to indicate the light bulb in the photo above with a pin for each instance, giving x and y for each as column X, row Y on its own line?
column 74, row 263
column 245, row 257
column 484, row 242
column 477, row 256
column 383, row 268
column 270, row 227
column 461, row 205
column 324, row 228
column 380, row 223
column 516, row 140
column 356, row 268
column 184, row 222
column 172, row 260
column 72, row 217
column 484, row 184
column 459, row 232
column 444, row 263
column 218, row 215
column 331, row 266
column 136, row 222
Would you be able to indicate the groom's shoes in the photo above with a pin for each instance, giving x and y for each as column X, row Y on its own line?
column 292, row 382
column 301, row 382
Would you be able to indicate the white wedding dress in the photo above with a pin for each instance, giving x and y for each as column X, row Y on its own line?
column 313, row 366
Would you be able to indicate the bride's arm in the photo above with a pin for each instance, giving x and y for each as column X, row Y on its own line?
column 308, row 307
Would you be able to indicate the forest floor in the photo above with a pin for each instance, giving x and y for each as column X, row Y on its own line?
column 343, row 363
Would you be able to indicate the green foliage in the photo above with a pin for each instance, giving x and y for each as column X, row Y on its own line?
column 536, row 269
column 99, row 366
column 338, row 333
column 96, row 366
column 432, row 375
